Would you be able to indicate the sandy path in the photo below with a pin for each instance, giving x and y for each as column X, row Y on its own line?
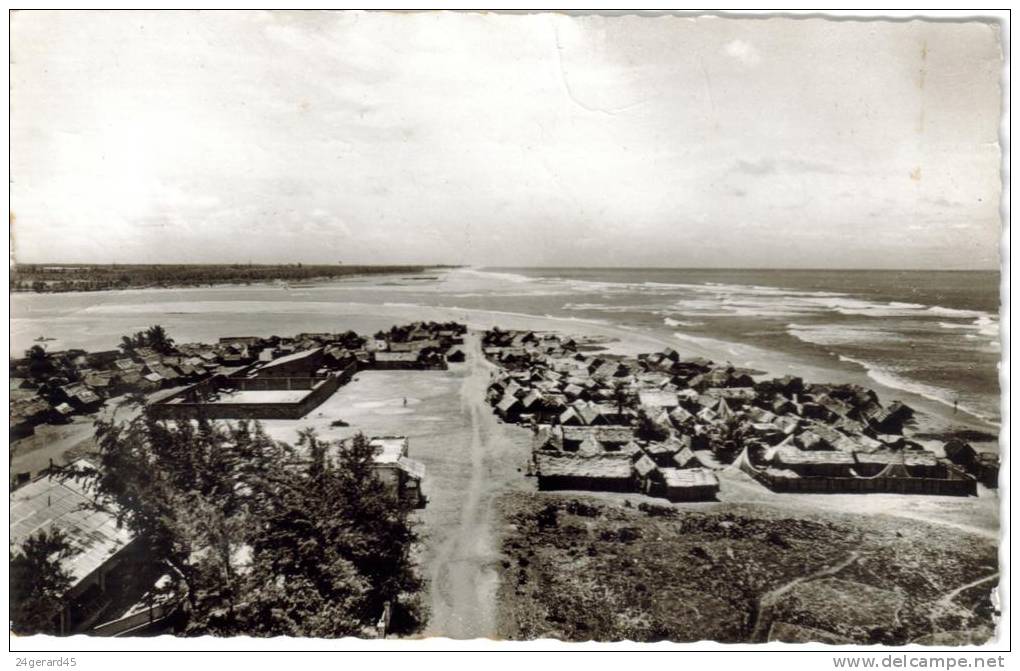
column 463, row 573
column 949, row 596
column 763, row 616
column 51, row 442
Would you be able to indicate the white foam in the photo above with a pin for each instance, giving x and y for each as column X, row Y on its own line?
column 496, row 275
column 713, row 345
column 953, row 312
column 840, row 334
column 676, row 322
column 984, row 326
column 889, row 378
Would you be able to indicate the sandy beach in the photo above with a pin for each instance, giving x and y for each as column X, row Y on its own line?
column 96, row 321
column 473, row 460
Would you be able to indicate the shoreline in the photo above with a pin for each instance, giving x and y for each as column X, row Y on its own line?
column 934, row 417
column 269, row 283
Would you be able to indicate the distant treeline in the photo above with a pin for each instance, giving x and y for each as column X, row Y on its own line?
column 87, row 277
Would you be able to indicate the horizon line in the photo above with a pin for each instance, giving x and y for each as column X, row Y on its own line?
column 15, row 264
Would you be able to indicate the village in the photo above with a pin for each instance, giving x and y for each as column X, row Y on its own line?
column 655, row 425
column 114, row 587
column 663, row 426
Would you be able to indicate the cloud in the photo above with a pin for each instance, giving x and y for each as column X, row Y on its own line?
column 764, row 166
column 788, row 166
column 745, row 52
column 384, row 137
column 942, row 202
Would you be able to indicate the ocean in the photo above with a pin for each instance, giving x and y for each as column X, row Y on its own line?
column 931, row 333
column 923, row 334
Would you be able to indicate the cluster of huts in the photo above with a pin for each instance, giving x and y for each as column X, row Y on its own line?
column 66, row 383
column 289, row 378
column 674, row 420
column 590, row 431
column 103, row 598
column 52, row 387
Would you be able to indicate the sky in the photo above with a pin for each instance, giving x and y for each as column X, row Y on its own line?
column 506, row 140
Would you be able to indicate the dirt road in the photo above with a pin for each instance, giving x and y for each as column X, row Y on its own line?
column 763, row 614
column 464, row 571
column 51, row 442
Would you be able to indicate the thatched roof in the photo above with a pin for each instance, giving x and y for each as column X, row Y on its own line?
column 907, row 457
column 508, row 401
column 605, row 434
column 658, row 399
column 679, row 415
column 605, row 466
column 788, row 454
column 590, row 447
column 684, row 457
column 644, row 466
column 688, row 477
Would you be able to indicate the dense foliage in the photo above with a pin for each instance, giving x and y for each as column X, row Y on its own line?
column 269, row 539
column 84, row 277
column 38, row 582
column 154, row 337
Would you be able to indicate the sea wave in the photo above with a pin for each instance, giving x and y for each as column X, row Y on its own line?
column 404, row 305
column 982, row 327
column 602, row 307
column 888, row 377
column 676, row 322
column 718, row 299
column 940, row 311
column 714, row 347
column 841, row 334
column 497, row 275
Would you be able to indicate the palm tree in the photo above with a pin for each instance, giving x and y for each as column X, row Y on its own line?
column 39, row 363
column 157, row 338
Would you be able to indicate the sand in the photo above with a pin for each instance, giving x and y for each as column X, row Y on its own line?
column 470, row 457
column 62, row 443
column 259, row 396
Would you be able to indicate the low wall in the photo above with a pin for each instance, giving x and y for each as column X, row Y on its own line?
column 554, row 482
column 827, row 485
column 403, row 365
column 273, row 383
column 676, row 494
column 322, row 389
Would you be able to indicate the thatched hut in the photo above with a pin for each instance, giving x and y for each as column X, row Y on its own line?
column 605, row 472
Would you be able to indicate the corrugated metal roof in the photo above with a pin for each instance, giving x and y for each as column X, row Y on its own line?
column 51, row 504
column 296, row 356
column 412, row 467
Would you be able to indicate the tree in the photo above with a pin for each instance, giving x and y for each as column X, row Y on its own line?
column 341, row 532
column 39, row 364
column 728, row 437
column 648, row 429
column 130, row 343
column 265, row 543
column 156, row 337
column 38, row 582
